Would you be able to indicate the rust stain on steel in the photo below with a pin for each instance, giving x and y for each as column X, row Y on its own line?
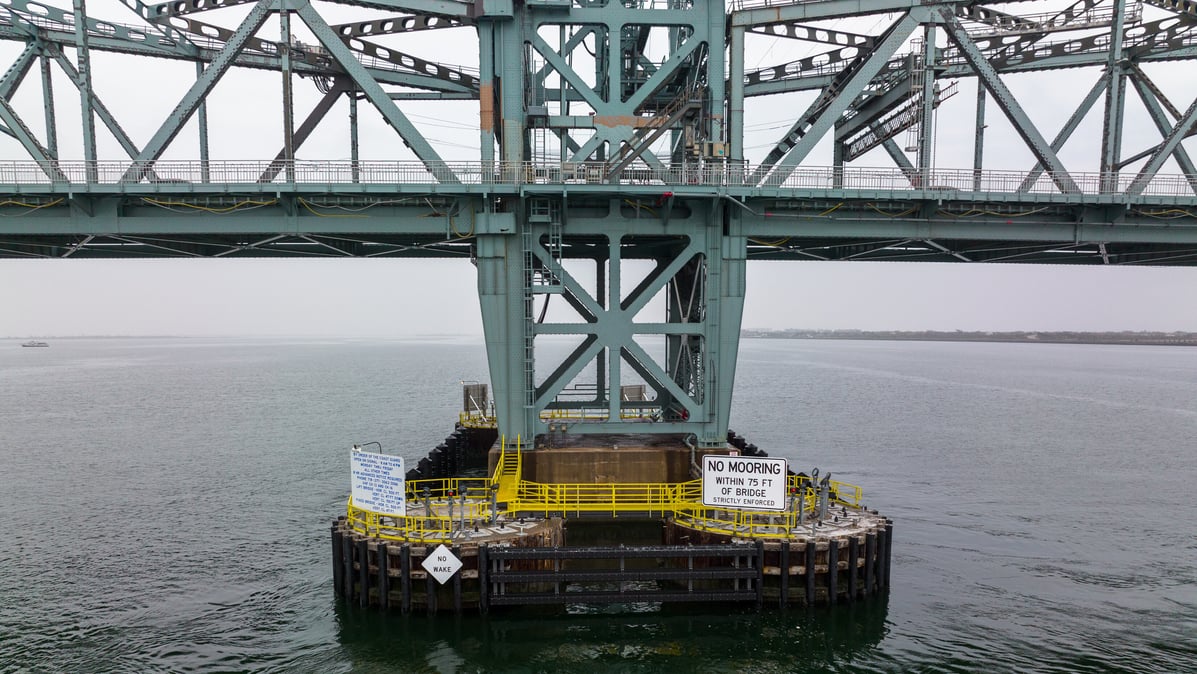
column 621, row 120
column 486, row 107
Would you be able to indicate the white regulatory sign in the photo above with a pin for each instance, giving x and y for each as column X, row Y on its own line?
column 377, row 482
column 744, row 482
column 441, row 564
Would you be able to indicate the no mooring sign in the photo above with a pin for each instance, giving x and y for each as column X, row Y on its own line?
column 744, row 482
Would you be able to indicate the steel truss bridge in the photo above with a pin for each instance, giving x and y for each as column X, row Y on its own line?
column 606, row 135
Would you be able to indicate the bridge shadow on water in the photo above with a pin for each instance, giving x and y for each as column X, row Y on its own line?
column 621, row 638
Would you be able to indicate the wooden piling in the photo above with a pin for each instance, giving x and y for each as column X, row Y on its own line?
column 833, row 568
column 483, row 581
column 363, row 561
column 760, row 574
column 384, row 576
column 879, row 571
column 785, row 574
column 456, row 551
column 889, row 546
column 853, row 557
column 347, row 567
column 810, row 571
column 405, row 578
column 430, row 588
column 338, row 567
column 870, row 553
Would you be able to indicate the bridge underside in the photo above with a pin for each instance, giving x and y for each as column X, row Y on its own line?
column 842, row 225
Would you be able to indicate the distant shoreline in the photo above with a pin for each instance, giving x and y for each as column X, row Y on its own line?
column 1033, row 337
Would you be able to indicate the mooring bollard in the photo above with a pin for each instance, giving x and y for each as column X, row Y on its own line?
column 824, row 496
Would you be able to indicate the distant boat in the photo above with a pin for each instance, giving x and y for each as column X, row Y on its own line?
column 34, row 343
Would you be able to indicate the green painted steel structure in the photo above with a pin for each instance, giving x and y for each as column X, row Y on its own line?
column 611, row 168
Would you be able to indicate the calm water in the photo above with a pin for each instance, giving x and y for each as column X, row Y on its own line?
column 165, row 506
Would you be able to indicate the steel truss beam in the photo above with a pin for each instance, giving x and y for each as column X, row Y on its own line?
column 702, row 275
column 835, row 99
column 374, row 93
column 397, row 24
column 1155, row 103
column 203, row 84
column 1008, row 104
column 1171, row 142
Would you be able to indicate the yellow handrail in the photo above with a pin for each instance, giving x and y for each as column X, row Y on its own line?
column 470, row 500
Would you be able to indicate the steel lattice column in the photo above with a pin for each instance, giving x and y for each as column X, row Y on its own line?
column 685, row 357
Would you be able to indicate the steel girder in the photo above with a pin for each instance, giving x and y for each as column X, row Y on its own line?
column 436, row 213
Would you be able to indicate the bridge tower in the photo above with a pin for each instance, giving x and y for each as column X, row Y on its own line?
column 596, row 92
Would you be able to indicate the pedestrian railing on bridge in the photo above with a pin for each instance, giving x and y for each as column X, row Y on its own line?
column 186, row 176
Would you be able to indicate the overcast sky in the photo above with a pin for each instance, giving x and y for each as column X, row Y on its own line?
column 397, row 298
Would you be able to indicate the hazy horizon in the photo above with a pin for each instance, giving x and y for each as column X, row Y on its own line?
column 427, row 298
column 479, row 337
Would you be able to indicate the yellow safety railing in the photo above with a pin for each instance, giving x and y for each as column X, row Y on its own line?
column 839, row 492
column 481, row 420
column 613, row 498
column 747, row 523
column 436, row 528
column 436, row 488
column 476, row 420
column 583, row 415
column 470, row 502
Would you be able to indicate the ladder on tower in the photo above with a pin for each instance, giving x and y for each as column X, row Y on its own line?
column 531, row 264
column 540, row 278
column 545, row 276
column 506, row 478
column 918, row 82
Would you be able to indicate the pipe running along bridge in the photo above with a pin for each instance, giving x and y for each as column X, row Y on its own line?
column 608, row 136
